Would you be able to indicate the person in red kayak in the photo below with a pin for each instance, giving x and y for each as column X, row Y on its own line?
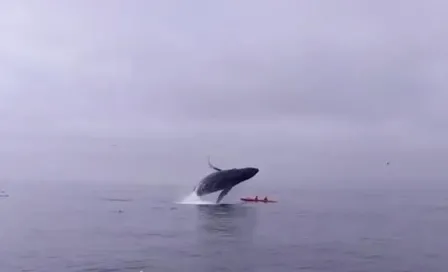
column 265, row 199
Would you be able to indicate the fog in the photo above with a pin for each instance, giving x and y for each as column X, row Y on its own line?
column 311, row 92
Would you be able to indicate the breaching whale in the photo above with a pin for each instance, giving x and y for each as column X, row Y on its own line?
column 223, row 180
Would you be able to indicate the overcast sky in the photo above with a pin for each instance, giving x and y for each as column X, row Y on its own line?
column 311, row 92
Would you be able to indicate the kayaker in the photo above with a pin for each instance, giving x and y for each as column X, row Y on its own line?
column 256, row 198
column 265, row 198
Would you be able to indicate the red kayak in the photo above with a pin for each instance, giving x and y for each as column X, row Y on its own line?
column 248, row 199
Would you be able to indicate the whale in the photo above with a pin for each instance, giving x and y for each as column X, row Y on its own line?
column 223, row 180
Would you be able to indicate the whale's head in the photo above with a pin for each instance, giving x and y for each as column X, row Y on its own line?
column 249, row 172
column 246, row 173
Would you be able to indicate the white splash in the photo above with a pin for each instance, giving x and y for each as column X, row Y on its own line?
column 194, row 199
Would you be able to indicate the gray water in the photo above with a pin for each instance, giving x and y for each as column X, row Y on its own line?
column 142, row 228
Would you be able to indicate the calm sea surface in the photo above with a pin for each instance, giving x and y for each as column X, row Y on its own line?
column 142, row 228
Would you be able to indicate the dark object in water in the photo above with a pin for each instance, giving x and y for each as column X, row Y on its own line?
column 223, row 180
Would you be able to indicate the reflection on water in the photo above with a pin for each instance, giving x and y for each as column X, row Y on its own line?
column 225, row 234
column 232, row 221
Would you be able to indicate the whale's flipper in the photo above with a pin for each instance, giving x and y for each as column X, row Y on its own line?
column 212, row 166
column 223, row 194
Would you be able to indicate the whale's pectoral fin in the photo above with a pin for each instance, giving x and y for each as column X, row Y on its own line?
column 223, row 194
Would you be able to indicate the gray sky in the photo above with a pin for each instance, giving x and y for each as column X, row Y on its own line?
column 312, row 92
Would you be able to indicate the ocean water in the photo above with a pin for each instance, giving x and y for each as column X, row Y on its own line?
column 154, row 228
